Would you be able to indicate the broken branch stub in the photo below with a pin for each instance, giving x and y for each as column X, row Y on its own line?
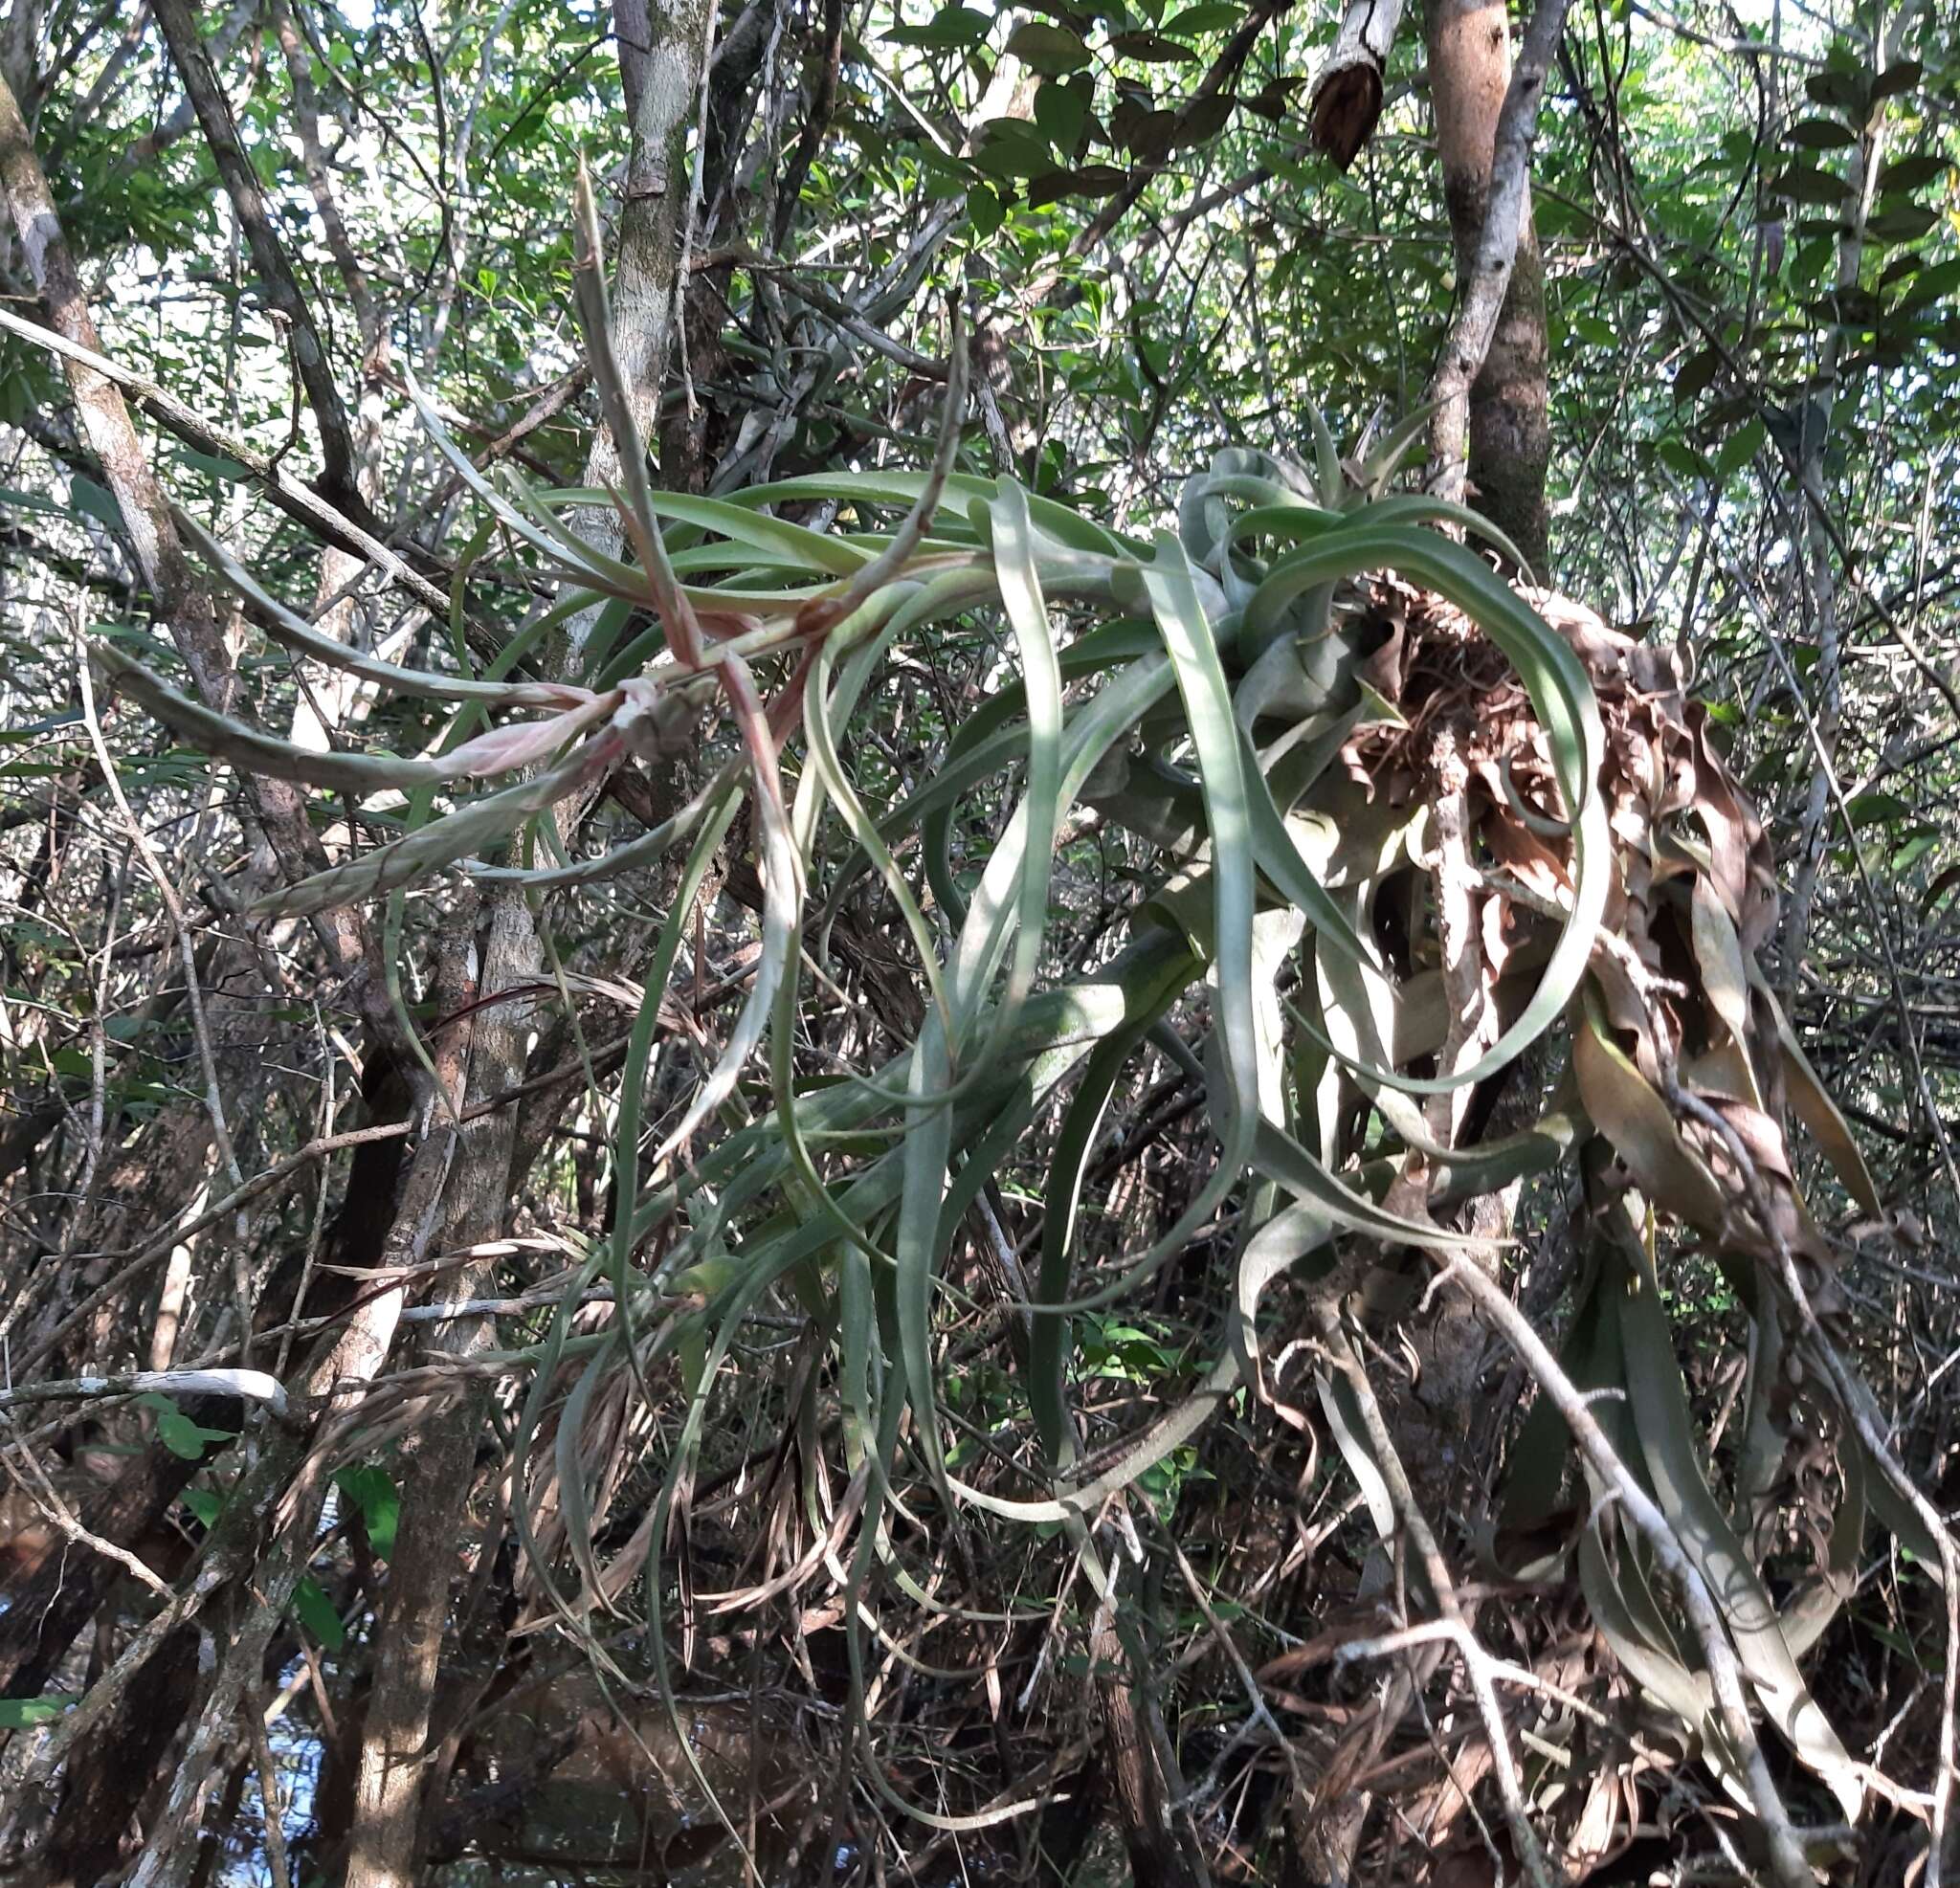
column 1346, row 98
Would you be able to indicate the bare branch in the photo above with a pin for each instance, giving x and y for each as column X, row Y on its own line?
column 269, row 257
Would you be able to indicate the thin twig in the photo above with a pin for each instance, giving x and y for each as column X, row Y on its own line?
column 1476, row 1662
column 172, row 903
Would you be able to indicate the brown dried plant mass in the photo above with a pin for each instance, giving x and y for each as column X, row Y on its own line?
column 1680, row 822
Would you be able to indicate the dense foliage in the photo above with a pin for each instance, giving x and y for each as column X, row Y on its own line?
column 837, row 1049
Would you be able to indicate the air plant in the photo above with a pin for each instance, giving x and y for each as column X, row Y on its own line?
column 1285, row 703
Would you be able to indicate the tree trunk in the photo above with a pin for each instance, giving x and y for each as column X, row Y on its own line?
column 661, row 54
column 1347, row 97
column 388, row 1791
column 1503, row 421
column 1131, row 1760
column 663, row 51
column 102, row 1779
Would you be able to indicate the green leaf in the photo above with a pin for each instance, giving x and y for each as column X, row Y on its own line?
column 1912, row 174
column 93, row 500
column 1878, row 809
column 205, row 1504
column 985, row 211
column 372, row 1491
column 1052, row 51
column 951, row 28
column 1074, row 1142
column 285, row 626
column 1061, row 110
column 1090, row 180
column 1696, row 372
column 178, row 1433
column 1343, row 1412
column 1743, row 447
column 19, row 1714
column 1820, row 134
column 1151, row 48
column 1838, row 90
column 1805, row 183
column 13, row 499
column 246, row 747
column 1914, row 850
column 1901, row 222
column 210, row 463
column 1897, row 78
column 1206, row 16
column 1203, row 119
column 1929, row 285
column 1011, row 148
column 1679, row 456
column 315, row 1611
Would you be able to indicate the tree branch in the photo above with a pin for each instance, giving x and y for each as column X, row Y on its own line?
column 1489, row 277
column 1347, row 97
column 269, row 259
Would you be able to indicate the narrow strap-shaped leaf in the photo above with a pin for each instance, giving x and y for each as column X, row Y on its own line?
column 828, row 769
column 1171, row 1431
column 799, row 547
column 510, row 516
column 1294, row 1234
column 1331, row 479
column 1343, row 1420
column 1680, row 1489
column 287, row 627
column 1194, row 651
column 1194, row 660
column 1027, row 612
column 634, row 854
column 924, row 1155
column 1286, row 868
column 1630, row 1112
column 626, row 1136
column 984, row 744
column 902, row 488
column 890, row 561
column 781, row 922
column 1810, row 1101
column 1283, row 1159
column 1049, row 1340
column 248, row 747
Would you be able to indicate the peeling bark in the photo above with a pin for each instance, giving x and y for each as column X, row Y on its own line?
column 388, row 1793
column 661, row 54
column 183, row 598
column 287, row 1485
